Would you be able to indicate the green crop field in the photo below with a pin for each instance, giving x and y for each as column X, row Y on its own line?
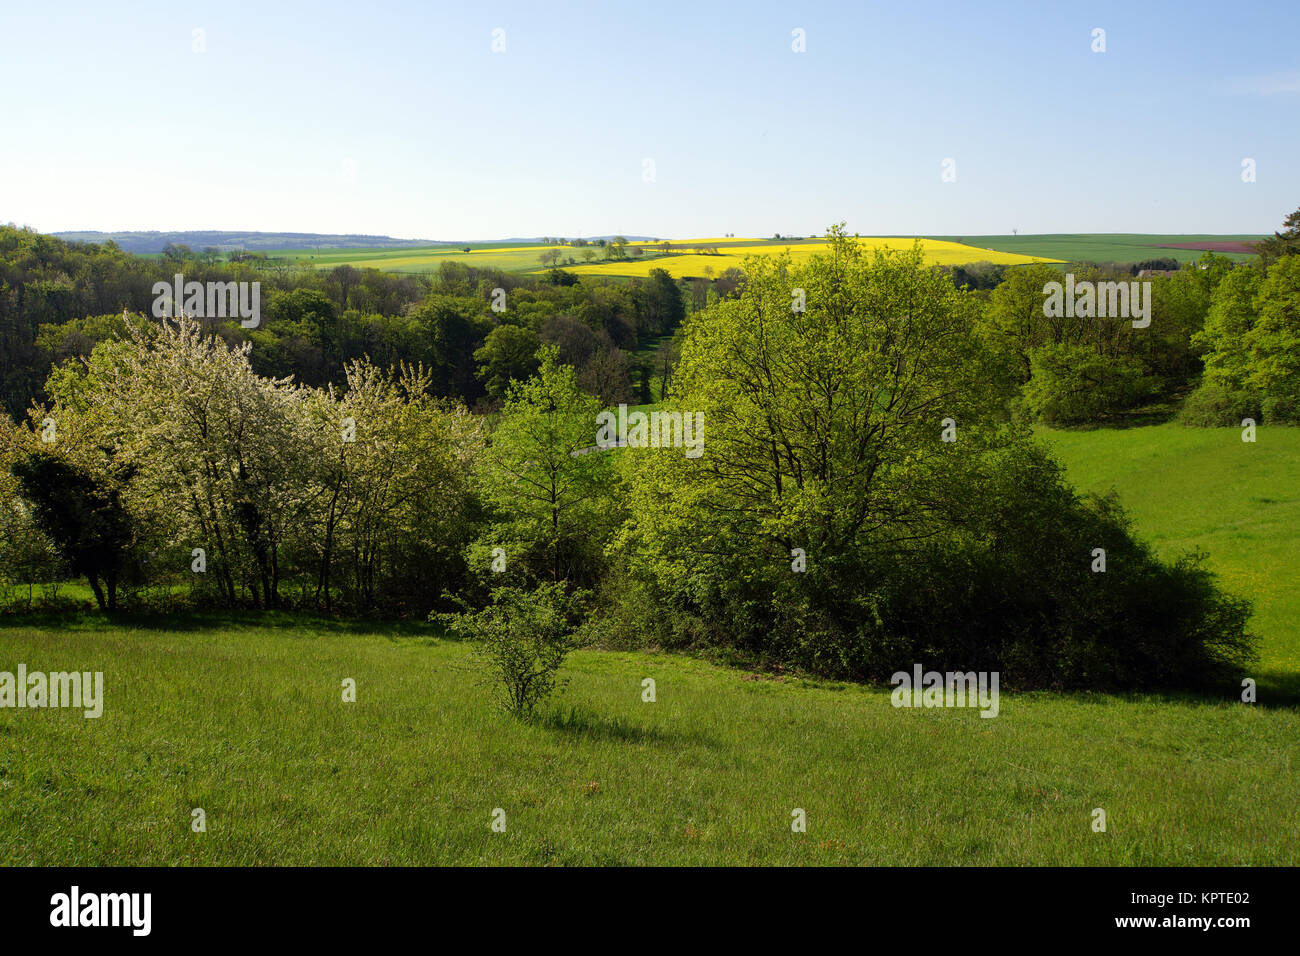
column 242, row 716
column 1104, row 247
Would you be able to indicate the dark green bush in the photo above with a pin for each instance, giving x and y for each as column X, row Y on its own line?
column 1210, row 406
column 1072, row 384
column 1007, row 585
column 1281, row 410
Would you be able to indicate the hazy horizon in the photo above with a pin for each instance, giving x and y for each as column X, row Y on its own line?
column 630, row 235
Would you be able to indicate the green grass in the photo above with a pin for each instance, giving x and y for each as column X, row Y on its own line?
column 1189, row 488
column 247, row 722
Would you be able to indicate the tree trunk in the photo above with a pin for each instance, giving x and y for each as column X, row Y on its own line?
column 99, row 592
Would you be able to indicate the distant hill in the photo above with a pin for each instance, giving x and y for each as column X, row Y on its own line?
column 143, row 242
column 198, row 240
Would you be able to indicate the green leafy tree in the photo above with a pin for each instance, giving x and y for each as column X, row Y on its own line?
column 662, row 307
column 1072, row 384
column 823, row 426
column 1274, row 341
column 1014, row 323
column 307, row 311
column 857, row 507
column 507, row 355
column 83, row 516
column 1223, row 341
column 1251, row 348
column 1284, row 243
column 554, row 494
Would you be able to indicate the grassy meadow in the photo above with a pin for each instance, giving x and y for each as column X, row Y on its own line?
column 243, row 716
column 246, row 721
column 1190, row 488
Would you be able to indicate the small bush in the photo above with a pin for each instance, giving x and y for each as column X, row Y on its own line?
column 522, row 637
column 1211, row 406
column 1281, row 410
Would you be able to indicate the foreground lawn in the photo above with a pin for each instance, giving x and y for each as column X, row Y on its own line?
column 1205, row 488
column 247, row 722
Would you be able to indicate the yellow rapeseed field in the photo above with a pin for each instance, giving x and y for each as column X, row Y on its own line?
column 691, row 265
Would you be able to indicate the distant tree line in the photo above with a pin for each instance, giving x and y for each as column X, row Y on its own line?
column 1222, row 344
column 59, row 299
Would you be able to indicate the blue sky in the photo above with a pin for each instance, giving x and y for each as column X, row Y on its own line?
column 399, row 119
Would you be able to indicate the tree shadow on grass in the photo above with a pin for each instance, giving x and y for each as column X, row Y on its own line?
column 1156, row 412
column 1274, row 690
column 582, row 722
column 209, row 620
column 1139, row 418
column 1278, row 689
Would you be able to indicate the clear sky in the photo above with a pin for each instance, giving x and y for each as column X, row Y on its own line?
column 400, row 119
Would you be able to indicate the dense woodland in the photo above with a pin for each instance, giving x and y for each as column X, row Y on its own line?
column 59, row 299
column 870, row 494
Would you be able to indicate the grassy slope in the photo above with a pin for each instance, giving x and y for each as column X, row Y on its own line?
column 246, row 721
column 248, row 724
column 1205, row 488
